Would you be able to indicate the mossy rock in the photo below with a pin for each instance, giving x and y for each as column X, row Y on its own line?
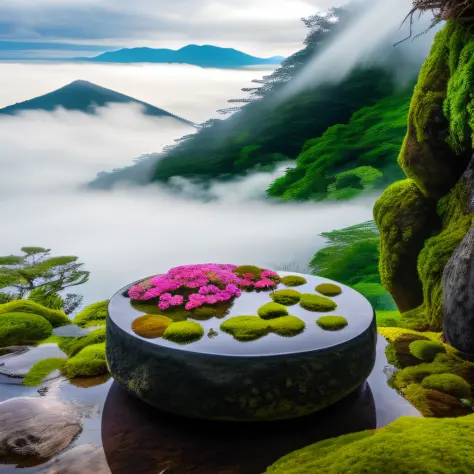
column 332, row 323
column 151, row 326
column 398, row 353
column 23, row 328
column 55, row 317
column 406, row 446
column 272, row 310
column 252, row 269
column 184, row 332
column 316, row 303
column 286, row 297
column 41, row 370
column 245, row 328
column 287, row 326
column 72, row 345
column 88, row 362
column 450, row 384
column 293, row 280
column 93, row 315
column 329, row 289
column 426, row 350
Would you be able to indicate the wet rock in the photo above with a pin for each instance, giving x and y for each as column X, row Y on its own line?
column 85, row 459
column 33, row 430
column 10, row 350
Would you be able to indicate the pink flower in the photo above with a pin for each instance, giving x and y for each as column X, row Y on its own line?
column 176, row 300
column 249, row 276
column 163, row 305
column 265, row 283
column 269, row 273
column 166, row 297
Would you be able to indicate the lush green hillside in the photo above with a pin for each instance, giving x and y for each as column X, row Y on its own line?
column 350, row 158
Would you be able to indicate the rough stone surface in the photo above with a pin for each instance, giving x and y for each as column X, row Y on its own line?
column 35, row 428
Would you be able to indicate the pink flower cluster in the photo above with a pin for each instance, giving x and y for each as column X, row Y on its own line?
column 214, row 283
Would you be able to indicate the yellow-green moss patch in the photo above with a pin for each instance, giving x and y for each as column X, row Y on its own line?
column 293, row 280
column 88, row 362
column 245, row 328
column 252, row 269
column 23, row 328
column 426, row 350
column 151, row 326
column 55, row 317
column 92, row 315
column 332, row 323
column 272, row 310
column 316, row 303
column 448, row 383
column 287, row 326
column 286, row 297
column 184, row 332
column 329, row 289
column 72, row 345
column 42, row 369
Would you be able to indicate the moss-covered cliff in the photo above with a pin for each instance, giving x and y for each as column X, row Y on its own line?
column 423, row 219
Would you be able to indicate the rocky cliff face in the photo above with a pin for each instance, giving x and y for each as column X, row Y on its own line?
column 425, row 220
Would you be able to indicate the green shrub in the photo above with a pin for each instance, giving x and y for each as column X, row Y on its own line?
column 448, row 383
column 88, row 362
column 92, row 315
column 316, row 303
column 426, row 350
column 408, row 445
column 272, row 310
column 329, row 289
column 287, row 326
column 388, row 318
column 293, row 280
column 72, row 345
column 43, row 297
column 23, row 328
column 245, row 328
column 55, row 317
column 41, row 369
column 286, row 297
column 184, row 332
column 332, row 323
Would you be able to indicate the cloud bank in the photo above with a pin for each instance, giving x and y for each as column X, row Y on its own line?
column 127, row 233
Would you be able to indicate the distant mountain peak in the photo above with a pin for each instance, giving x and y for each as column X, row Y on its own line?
column 85, row 96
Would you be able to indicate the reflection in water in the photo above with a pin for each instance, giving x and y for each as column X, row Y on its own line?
column 139, row 438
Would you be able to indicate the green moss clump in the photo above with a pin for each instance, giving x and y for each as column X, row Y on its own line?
column 55, row 317
column 448, row 383
column 88, row 362
column 150, row 326
column 93, row 315
column 23, row 328
column 332, row 323
column 426, row 350
column 293, row 280
column 287, row 326
column 286, row 297
column 329, row 289
column 388, row 318
column 184, row 332
column 316, row 303
column 246, row 328
column 42, row 369
column 272, row 310
column 406, row 446
column 72, row 345
column 243, row 269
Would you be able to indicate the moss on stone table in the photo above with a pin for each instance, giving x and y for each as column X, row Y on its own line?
column 426, row 350
column 293, row 280
column 332, row 323
column 406, row 446
column 72, row 345
column 184, row 332
column 55, row 317
column 287, row 326
column 316, row 303
column 88, row 362
column 329, row 289
column 286, row 297
column 92, row 315
column 151, row 326
column 250, row 269
column 272, row 310
column 450, row 384
column 23, row 328
column 42, row 369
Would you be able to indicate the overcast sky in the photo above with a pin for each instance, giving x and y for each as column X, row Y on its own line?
column 259, row 27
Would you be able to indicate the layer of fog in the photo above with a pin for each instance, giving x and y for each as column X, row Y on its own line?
column 187, row 91
column 128, row 233
column 369, row 38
